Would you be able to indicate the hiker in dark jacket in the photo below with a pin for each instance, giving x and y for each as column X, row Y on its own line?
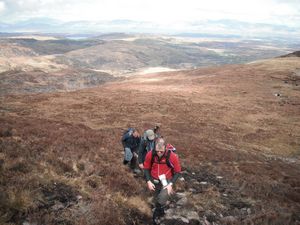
column 162, row 169
column 146, row 145
column 131, row 141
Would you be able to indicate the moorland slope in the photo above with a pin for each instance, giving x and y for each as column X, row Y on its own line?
column 236, row 129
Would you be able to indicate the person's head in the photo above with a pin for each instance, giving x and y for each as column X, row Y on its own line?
column 135, row 133
column 150, row 135
column 156, row 129
column 160, row 146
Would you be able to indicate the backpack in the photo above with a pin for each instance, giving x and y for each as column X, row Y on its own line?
column 170, row 149
column 127, row 133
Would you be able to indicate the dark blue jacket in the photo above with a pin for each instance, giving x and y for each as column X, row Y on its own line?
column 129, row 141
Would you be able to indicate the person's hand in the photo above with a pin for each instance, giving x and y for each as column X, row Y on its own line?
column 151, row 186
column 141, row 165
column 169, row 188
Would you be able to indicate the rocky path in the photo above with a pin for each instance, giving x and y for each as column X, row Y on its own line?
column 206, row 198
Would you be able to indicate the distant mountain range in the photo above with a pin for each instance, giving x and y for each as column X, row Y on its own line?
column 224, row 28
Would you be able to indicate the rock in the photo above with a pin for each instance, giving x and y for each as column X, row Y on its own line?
column 182, row 201
column 219, row 177
column 249, row 211
column 172, row 205
column 170, row 212
column 58, row 206
column 192, row 215
column 203, row 182
column 27, row 223
column 206, row 222
column 229, row 220
column 185, row 220
column 193, row 190
column 187, row 213
column 199, row 208
column 180, row 194
column 239, row 204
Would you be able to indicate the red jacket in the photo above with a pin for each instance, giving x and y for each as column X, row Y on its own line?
column 160, row 167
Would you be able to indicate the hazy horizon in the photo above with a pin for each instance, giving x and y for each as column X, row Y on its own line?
column 251, row 18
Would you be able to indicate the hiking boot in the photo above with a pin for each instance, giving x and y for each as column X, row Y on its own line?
column 161, row 212
column 155, row 218
column 157, row 214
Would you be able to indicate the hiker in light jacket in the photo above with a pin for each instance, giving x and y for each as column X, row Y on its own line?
column 146, row 145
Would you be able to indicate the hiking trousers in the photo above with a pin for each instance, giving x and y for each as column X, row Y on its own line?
column 131, row 157
column 161, row 195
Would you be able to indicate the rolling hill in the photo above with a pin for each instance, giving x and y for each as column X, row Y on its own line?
column 32, row 63
column 236, row 129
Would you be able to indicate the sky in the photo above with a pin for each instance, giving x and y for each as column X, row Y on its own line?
column 165, row 13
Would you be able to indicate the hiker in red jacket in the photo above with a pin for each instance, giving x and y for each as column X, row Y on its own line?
column 162, row 169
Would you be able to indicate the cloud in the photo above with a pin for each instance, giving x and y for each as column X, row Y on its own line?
column 291, row 2
column 2, row 7
column 165, row 13
column 24, row 9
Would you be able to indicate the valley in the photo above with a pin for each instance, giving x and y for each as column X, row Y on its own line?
column 44, row 60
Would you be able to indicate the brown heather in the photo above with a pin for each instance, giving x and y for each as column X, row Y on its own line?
column 61, row 156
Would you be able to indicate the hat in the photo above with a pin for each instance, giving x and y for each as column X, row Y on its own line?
column 150, row 134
